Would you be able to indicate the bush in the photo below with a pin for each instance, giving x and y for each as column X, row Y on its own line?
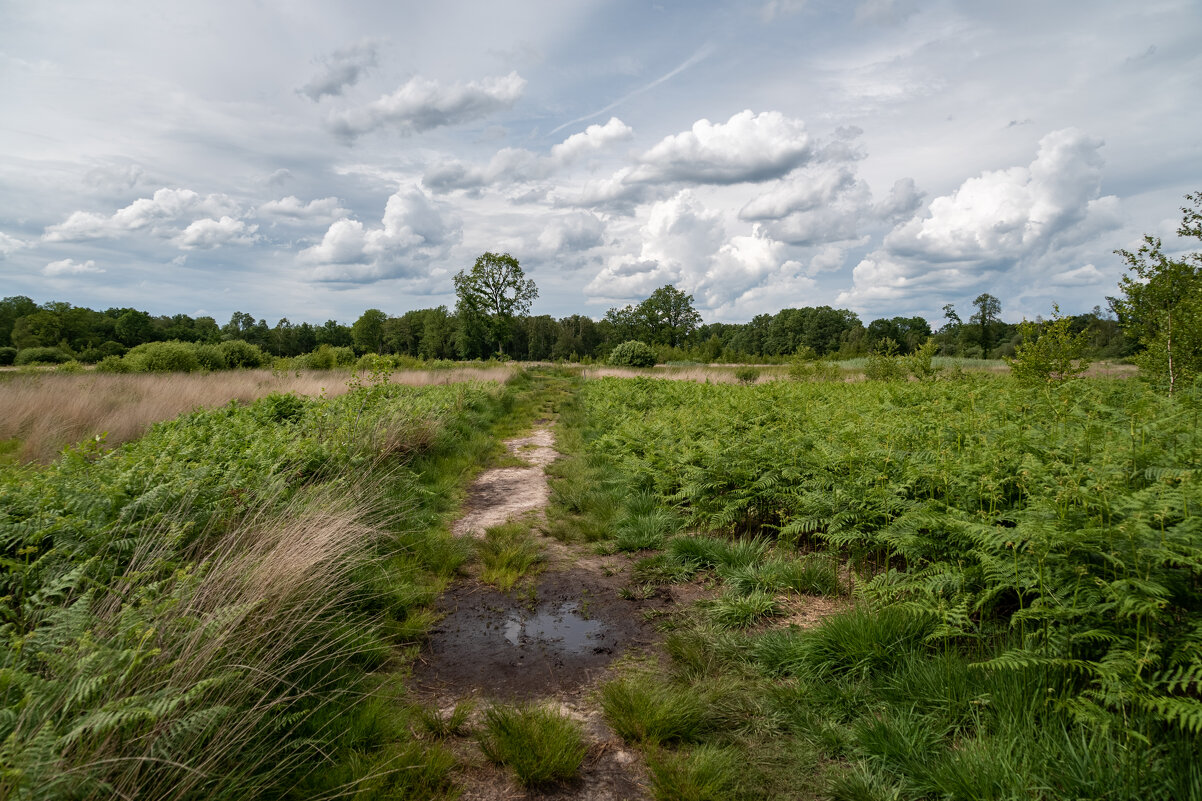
column 112, row 364
column 747, row 375
column 320, row 359
column 632, row 354
column 883, row 363
column 239, row 353
column 211, row 357
column 41, row 356
column 163, row 357
column 1049, row 353
column 7, row 356
column 71, row 366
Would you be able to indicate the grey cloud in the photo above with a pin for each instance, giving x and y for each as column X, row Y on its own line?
column 422, row 104
column 341, row 69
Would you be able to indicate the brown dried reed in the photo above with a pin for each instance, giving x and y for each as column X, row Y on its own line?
column 48, row 411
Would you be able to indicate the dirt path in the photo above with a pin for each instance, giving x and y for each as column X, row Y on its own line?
column 553, row 641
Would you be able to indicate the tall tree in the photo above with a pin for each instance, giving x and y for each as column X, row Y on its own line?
column 670, row 316
column 367, row 333
column 496, row 290
column 988, row 310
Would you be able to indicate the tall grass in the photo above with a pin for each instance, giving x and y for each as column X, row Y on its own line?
column 198, row 613
column 48, row 411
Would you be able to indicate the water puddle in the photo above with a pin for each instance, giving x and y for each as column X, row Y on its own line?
column 504, row 645
column 562, row 628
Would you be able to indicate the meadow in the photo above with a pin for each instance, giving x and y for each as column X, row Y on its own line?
column 960, row 587
column 1011, row 577
column 47, row 411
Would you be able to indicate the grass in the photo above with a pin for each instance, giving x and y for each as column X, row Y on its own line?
column 452, row 723
column 507, row 553
column 735, row 610
column 540, row 745
column 705, row 773
column 48, row 411
column 644, row 710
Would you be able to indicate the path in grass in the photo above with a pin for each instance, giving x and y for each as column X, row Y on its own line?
column 535, row 622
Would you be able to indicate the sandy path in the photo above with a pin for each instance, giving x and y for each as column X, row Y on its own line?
column 504, row 493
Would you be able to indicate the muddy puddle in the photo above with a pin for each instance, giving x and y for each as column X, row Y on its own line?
column 529, row 644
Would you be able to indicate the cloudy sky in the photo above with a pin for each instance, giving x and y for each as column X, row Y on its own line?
column 310, row 159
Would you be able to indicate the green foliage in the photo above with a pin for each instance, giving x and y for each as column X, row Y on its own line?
column 747, row 374
column 706, row 773
column 539, row 744
column 7, row 356
column 632, row 354
column 41, row 355
column 239, row 353
column 644, row 710
column 189, row 614
column 163, row 357
column 507, row 553
column 491, row 296
column 884, row 363
column 112, row 364
column 1049, row 352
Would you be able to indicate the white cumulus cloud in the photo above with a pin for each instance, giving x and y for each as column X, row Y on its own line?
column 413, row 230
column 208, row 233
column 746, row 148
column 422, row 104
column 10, row 244
column 292, row 209
column 591, row 139
column 159, row 214
column 70, row 267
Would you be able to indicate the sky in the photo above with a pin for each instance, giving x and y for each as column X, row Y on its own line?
column 311, row 160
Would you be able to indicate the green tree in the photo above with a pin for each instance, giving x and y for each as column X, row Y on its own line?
column 1161, row 306
column 670, row 316
column 988, row 310
column 494, row 292
column 1050, row 351
column 367, row 333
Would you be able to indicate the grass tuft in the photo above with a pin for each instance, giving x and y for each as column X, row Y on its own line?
column 643, row 710
column 507, row 553
column 733, row 611
column 539, row 744
column 707, row 773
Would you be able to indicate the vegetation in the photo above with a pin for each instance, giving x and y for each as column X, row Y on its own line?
column 632, row 354
column 1025, row 571
column 538, row 743
column 199, row 613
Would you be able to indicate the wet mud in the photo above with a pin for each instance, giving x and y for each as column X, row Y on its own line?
column 526, row 644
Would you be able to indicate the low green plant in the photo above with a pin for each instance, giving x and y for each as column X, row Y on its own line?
column 7, row 356
column 737, row 610
column 1050, row 352
column 632, row 354
column 446, row 723
column 540, row 745
column 507, row 553
column 163, row 357
column 642, row 709
column 41, row 356
column 705, row 773
column 884, row 364
column 747, row 374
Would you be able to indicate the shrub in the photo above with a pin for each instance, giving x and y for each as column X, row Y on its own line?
column 163, row 357
column 540, row 745
column 239, row 353
column 747, row 375
column 211, row 357
column 112, row 364
column 41, row 356
column 632, row 354
column 883, row 363
column 320, row 359
column 7, row 356
column 1049, row 353
column 71, row 366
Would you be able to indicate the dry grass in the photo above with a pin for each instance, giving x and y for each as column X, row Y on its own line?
column 713, row 374
column 49, row 411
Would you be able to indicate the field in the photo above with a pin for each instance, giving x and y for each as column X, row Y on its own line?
column 45, row 412
column 957, row 588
